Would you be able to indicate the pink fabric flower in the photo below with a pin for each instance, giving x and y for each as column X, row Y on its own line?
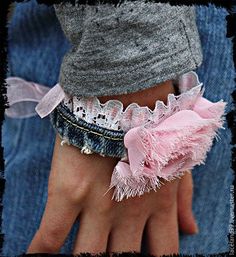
column 166, row 149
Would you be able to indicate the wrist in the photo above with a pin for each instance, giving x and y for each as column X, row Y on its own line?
column 146, row 97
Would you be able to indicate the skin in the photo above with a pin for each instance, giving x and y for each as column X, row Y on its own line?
column 76, row 188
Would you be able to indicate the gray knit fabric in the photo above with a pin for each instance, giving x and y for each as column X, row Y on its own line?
column 123, row 49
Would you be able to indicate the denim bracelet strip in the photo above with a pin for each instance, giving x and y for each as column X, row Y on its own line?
column 87, row 136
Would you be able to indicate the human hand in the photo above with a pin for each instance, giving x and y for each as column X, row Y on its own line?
column 76, row 188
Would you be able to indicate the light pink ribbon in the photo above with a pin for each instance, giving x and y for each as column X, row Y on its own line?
column 27, row 99
column 23, row 96
column 50, row 101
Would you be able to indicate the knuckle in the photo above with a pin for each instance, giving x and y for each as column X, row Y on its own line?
column 72, row 190
column 134, row 213
column 166, row 206
column 167, row 199
column 76, row 192
column 49, row 241
column 135, row 208
column 106, row 207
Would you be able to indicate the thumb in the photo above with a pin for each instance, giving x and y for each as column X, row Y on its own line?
column 187, row 222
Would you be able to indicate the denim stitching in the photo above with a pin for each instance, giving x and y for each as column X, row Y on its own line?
column 82, row 128
column 99, row 144
column 66, row 112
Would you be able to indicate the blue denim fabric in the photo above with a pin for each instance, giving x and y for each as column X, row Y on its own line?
column 83, row 134
column 28, row 143
column 212, row 181
column 36, row 44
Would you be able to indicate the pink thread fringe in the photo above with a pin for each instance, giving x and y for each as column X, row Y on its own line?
column 166, row 149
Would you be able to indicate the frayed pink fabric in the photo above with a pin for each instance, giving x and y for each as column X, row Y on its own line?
column 166, row 149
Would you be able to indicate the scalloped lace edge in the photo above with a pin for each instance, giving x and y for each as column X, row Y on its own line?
column 111, row 114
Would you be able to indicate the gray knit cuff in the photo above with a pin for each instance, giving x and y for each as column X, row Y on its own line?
column 118, row 50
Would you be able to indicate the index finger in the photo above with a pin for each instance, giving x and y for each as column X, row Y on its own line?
column 57, row 220
column 60, row 212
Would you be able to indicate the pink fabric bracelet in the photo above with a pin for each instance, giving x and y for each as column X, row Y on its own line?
column 172, row 142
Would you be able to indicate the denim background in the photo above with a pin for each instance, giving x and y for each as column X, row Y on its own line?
column 36, row 48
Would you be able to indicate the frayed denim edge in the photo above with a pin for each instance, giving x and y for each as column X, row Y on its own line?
column 87, row 137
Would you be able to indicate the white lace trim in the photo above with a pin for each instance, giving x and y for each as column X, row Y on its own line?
column 111, row 115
